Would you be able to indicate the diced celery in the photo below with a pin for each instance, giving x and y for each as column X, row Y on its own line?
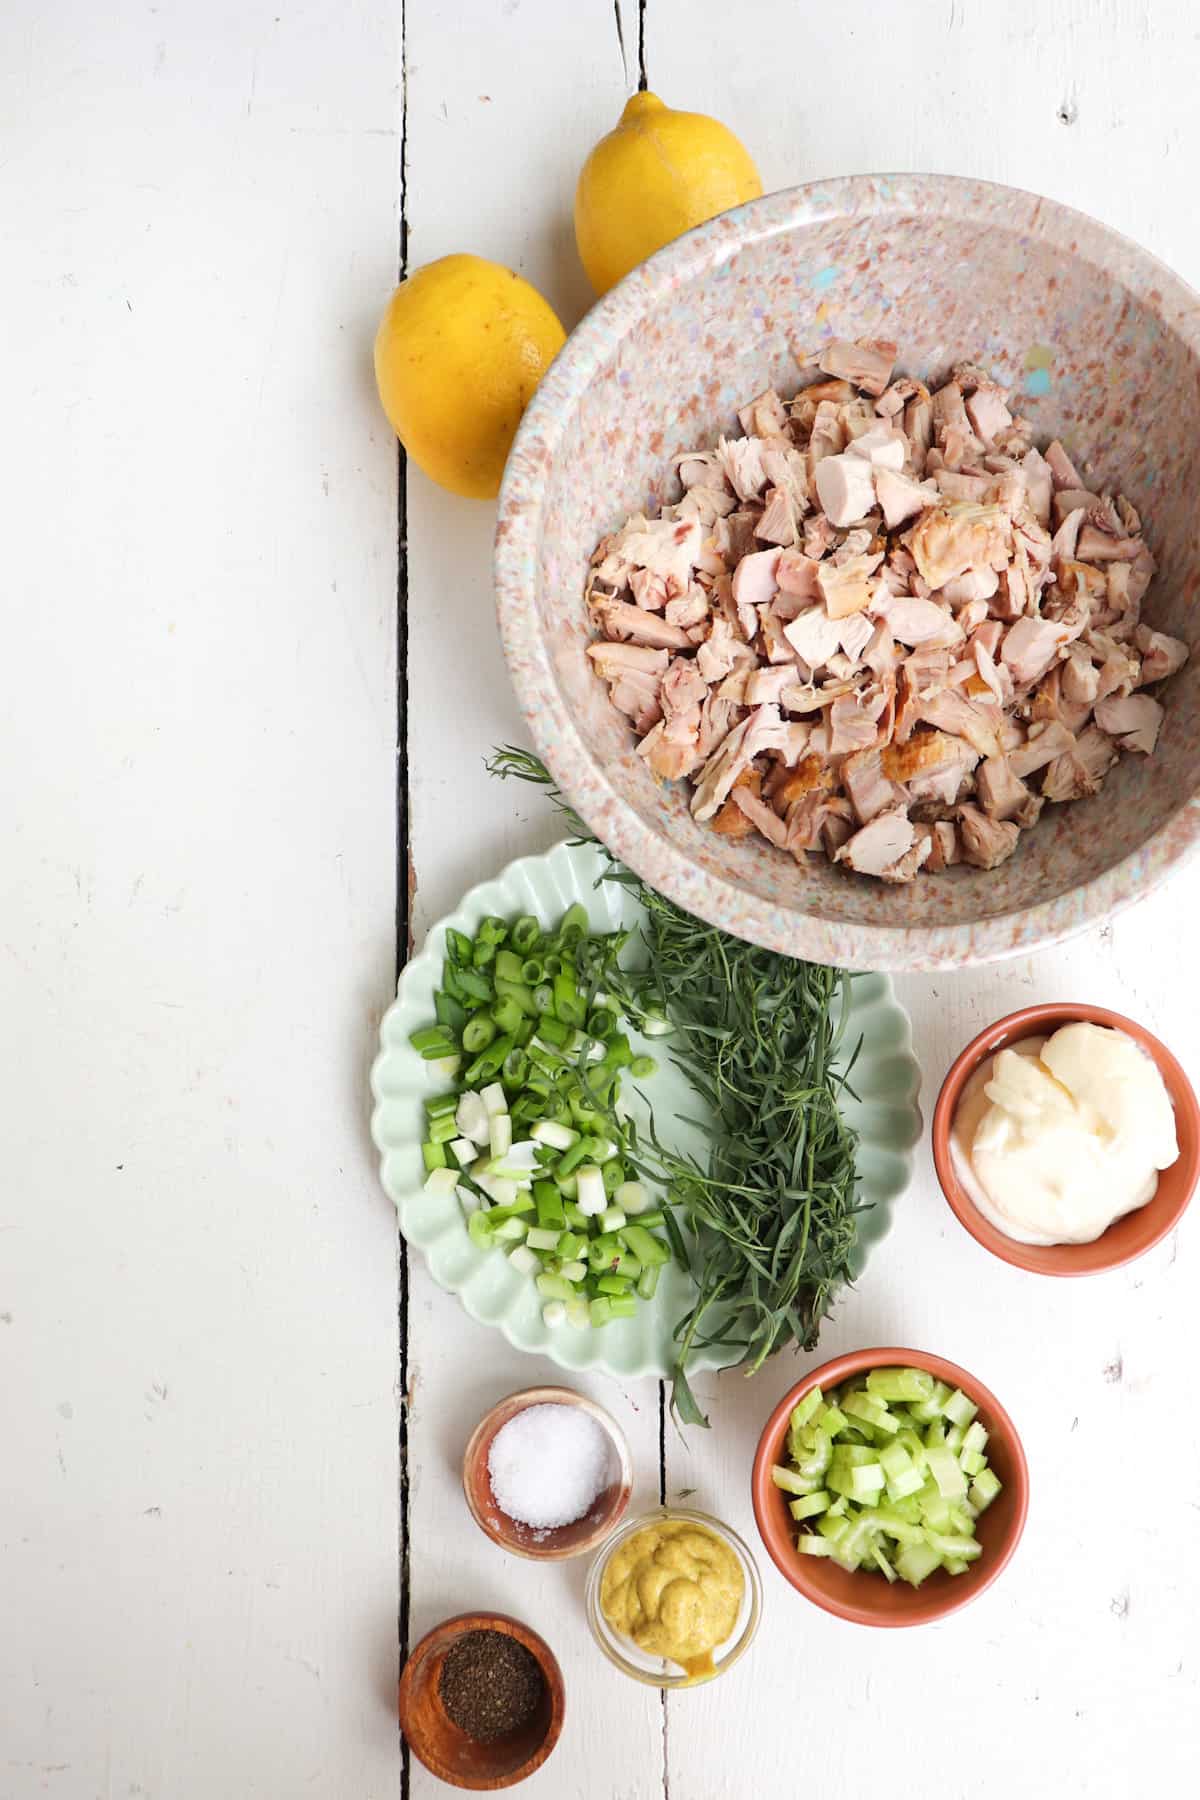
column 925, row 1411
column 808, row 1545
column 839, row 1506
column 833, row 1524
column 943, row 1466
column 807, row 1506
column 972, row 1462
column 805, row 1408
column 900, row 1384
column 881, row 1562
column 984, row 1489
column 915, row 1562
column 789, row 1481
column 954, row 1438
column 852, row 1456
column 873, row 1412
column 963, row 1549
column 976, row 1438
column 958, row 1409
column 953, row 1565
column 830, row 1420
column 866, row 1480
column 935, row 1434
column 903, row 1530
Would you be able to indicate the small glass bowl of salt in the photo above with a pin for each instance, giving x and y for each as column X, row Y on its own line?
column 547, row 1474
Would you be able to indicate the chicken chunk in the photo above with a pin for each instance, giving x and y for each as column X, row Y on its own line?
column 986, row 843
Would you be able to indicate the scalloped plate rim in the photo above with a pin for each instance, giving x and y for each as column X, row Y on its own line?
column 875, row 1223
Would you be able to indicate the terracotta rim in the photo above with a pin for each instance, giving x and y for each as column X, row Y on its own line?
column 500, row 1414
column 940, row 1602
column 454, row 1628
column 529, row 652
column 1129, row 1237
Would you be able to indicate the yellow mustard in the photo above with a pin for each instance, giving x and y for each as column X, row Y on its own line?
column 676, row 1590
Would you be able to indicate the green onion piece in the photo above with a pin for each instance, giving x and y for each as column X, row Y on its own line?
column 491, row 930
column 448, row 1011
column 533, row 973
column 440, row 1105
column 507, row 1016
column 517, row 992
column 434, row 1156
column 619, row 1308
column 647, row 1281
column 600, row 1310
column 478, row 1033
column 642, row 1067
column 573, row 923
column 539, row 1238
column 648, row 1249
column 443, row 1129
column 525, row 934
column 433, row 1040
column 458, row 946
column 613, row 1284
column 475, row 986
column 553, row 1287
column 479, row 1226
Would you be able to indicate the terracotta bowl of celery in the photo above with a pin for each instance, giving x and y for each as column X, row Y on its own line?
column 974, row 1485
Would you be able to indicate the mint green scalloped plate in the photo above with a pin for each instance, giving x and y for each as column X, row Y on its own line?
column 885, row 1114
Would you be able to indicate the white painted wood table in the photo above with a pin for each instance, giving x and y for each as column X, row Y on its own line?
column 226, row 1470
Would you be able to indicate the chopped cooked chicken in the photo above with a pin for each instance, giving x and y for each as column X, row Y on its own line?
column 950, row 539
column 845, row 487
column 621, row 620
column 880, row 845
column 1133, row 719
column 1161, row 655
column 1002, row 794
column 846, row 588
column 985, row 842
column 634, row 675
column 903, row 678
column 868, row 363
column 1080, row 770
column 763, row 730
column 731, row 821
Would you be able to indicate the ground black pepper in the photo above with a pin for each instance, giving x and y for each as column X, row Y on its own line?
column 490, row 1685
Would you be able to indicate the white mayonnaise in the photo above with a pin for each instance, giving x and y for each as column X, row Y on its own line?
column 1056, row 1137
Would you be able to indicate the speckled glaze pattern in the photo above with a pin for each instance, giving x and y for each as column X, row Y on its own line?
column 1101, row 345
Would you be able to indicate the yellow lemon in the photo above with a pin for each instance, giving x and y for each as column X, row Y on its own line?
column 658, row 174
column 459, row 352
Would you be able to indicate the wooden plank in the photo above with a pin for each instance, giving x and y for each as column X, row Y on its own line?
column 197, row 1270
column 503, row 104
column 1090, row 1639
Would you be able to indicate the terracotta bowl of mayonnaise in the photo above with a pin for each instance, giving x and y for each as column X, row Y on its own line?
column 1079, row 1156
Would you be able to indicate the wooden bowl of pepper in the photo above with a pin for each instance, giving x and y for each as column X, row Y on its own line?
column 482, row 1701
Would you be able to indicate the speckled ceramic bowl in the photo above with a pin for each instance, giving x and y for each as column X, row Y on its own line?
column 1100, row 342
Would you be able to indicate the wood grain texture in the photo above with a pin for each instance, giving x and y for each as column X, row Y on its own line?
column 197, row 1269
column 1078, row 1671
column 502, row 103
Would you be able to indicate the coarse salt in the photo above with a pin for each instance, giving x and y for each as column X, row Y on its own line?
column 548, row 1464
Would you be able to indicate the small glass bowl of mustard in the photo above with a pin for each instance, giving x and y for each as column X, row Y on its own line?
column 659, row 1669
